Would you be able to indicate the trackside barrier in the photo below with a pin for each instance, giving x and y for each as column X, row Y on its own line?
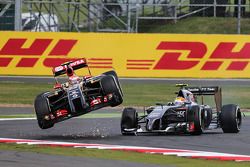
column 131, row 55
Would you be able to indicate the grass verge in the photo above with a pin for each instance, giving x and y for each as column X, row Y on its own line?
column 197, row 25
column 95, row 115
column 90, row 115
column 136, row 94
column 122, row 155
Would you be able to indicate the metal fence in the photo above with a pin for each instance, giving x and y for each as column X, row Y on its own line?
column 118, row 15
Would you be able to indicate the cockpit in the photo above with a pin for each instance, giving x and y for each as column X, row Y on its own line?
column 184, row 96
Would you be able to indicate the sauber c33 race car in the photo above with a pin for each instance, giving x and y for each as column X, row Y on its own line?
column 184, row 115
column 77, row 96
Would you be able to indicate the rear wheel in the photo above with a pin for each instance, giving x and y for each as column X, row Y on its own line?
column 42, row 111
column 110, row 86
column 129, row 121
column 114, row 74
column 230, row 118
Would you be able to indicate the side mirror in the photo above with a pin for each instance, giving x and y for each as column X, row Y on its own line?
column 159, row 104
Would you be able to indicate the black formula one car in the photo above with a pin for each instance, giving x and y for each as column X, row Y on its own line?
column 184, row 115
column 77, row 96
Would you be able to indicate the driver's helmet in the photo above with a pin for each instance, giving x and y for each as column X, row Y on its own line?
column 179, row 101
column 69, row 71
column 74, row 79
column 86, row 77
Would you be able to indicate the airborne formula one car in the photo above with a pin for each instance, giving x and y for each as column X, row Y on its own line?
column 184, row 115
column 77, row 96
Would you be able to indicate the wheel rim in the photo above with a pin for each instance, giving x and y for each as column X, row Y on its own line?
column 238, row 118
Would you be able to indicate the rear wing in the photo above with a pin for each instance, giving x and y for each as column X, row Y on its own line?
column 212, row 90
column 209, row 90
column 60, row 70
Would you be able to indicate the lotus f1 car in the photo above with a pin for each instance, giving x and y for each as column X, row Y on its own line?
column 184, row 115
column 77, row 96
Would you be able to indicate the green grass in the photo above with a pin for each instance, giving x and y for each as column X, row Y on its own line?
column 18, row 116
column 21, row 93
column 197, row 25
column 147, row 94
column 90, row 115
column 136, row 94
column 99, row 115
column 123, row 156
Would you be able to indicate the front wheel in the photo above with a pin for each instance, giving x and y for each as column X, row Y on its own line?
column 129, row 121
column 230, row 118
column 42, row 111
column 114, row 74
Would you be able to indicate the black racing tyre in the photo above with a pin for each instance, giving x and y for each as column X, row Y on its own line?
column 114, row 74
column 198, row 118
column 110, row 86
column 129, row 121
column 42, row 110
column 208, row 116
column 230, row 118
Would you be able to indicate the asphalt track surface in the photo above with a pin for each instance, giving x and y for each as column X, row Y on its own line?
column 75, row 130
column 107, row 131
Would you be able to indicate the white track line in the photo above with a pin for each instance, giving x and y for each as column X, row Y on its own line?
column 16, row 119
column 151, row 150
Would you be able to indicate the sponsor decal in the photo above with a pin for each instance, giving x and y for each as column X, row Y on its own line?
column 139, row 64
column 14, row 47
column 181, row 113
column 28, row 57
column 131, row 55
column 197, row 51
column 172, row 59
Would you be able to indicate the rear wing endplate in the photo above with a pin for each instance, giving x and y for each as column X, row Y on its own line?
column 60, row 70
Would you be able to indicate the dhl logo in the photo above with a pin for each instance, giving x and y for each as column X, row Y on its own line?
column 13, row 48
column 172, row 59
column 168, row 57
